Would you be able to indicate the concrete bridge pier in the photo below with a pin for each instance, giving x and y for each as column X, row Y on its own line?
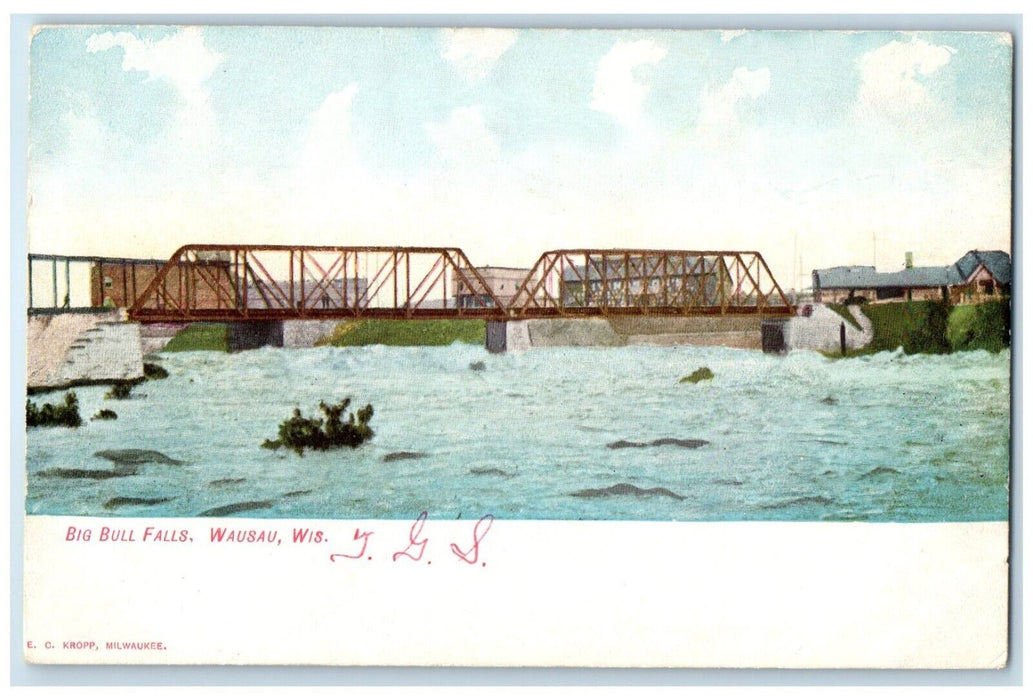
column 503, row 336
column 249, row 335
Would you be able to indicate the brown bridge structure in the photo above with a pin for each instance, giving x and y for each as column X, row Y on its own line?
column 239, row 283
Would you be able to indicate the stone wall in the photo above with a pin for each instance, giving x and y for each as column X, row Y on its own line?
column 68, row 349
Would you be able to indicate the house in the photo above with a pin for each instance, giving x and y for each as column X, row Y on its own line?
column 975, row 276
column 503, row 282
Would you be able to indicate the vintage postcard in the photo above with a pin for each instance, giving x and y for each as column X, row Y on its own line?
column 518, row 347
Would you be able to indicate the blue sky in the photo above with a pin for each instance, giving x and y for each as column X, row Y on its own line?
column 511, row 142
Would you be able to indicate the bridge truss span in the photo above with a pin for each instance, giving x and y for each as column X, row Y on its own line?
column 649, row 282
column 278, row 282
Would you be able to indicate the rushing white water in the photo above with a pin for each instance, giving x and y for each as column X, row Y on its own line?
column 886, row 437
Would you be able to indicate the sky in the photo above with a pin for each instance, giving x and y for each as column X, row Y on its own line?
column 816, row 148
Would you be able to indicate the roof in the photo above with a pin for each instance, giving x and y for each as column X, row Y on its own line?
column 997, row 262
column 866, row 277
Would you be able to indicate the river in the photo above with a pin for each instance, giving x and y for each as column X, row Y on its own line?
column 539, row 435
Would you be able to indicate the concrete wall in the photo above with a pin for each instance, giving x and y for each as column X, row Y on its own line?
column 738, row 332
column 821, row 330
column 305, row 334
column 69, row 349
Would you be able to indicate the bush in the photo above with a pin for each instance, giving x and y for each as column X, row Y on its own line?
column 105, row 414
column 153, row 371
column 329, row 432
column 66, row 414
column 985, row 326
column 120, row 390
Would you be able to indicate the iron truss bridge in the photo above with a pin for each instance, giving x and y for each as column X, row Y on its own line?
column 275, row 282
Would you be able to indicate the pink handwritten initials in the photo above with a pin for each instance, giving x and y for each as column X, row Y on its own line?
column 414, row 533
column 480, row 531
column 364, row 536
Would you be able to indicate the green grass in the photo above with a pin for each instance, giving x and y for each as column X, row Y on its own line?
column 928, row 327
column 985, row 326
column 200, row 336
column 843, row 311
column 376, row 332
column 917, row 326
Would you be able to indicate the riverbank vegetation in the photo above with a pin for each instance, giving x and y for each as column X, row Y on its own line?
column 200, row 336
column 935, row 327
column 298, row 432
column 392, row 332
column 66, row 414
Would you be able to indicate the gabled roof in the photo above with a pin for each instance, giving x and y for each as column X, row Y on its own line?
column 997, row 262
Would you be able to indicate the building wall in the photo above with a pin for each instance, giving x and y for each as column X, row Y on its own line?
column 503, row 282
column 122, row 284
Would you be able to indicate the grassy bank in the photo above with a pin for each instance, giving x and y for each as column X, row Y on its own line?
column 200, row 336
column 935, row 327
column 984, row 326
column 375, row 332
column 918, row 326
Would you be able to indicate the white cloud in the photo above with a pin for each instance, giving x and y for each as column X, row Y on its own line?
column 890, row 75
column 464, row 140
column 718, row 119
column 182, row 60
column 616, row 92
column 729, row 34
column 328, row 148
column 475, row 51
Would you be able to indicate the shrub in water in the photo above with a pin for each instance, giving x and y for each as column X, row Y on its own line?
column 153, row 371
column 701, row 374
column 120, row 391
column 299, row 432
column 66, row 414
column 105, row 414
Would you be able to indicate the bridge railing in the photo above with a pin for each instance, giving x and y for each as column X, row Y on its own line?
column 649, row 282
column 227, row 282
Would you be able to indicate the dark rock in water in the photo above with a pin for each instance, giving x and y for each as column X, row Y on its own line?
column 829, row 401
column 801, row 501
column 690, row 444
column 90, row 473
column 828, row 472
column 235, row 508
column 626, row 490
column 120, row 501
column 832, row 442
column 302, row 492
column 227, row 481
column 478, row 366
column 491, row 471
column 879, row 471
column 134, row 456
column 398, row 456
